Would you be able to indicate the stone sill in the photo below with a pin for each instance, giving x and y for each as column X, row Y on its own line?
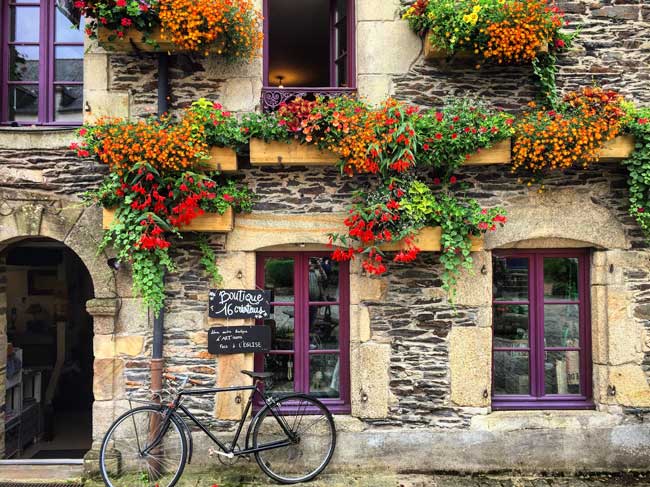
column 531, row 420
column 36, row 137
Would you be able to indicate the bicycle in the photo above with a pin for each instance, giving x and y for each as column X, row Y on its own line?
column 292, row 438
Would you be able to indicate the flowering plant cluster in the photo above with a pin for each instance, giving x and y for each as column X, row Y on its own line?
column 397, row 211
column 118, row 16
column 499, row 31
column 573, row 133
column 155, row 193
column 218, row 126
column 231, row 27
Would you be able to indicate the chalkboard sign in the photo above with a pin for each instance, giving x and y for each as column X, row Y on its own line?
column 239, row 339
column 240, row 303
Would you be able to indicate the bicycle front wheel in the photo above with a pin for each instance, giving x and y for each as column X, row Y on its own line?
column 141, row 449
column 305, row 428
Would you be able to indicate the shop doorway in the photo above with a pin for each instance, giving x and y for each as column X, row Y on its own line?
column 49, row 373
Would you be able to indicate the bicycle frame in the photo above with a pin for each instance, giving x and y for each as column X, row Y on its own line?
column 176, row 406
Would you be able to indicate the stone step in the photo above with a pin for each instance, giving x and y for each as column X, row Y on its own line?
column 40, row 471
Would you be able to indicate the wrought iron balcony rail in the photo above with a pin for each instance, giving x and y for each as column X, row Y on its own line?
column 273, row 97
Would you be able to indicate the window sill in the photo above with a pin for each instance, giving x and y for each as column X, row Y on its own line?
column 36, row 137
column 565, row 403
column 516, row 420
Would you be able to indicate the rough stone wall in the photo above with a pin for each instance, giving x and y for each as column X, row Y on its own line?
column 612, row 50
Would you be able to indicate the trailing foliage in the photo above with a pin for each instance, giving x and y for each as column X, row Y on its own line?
column 639, row 170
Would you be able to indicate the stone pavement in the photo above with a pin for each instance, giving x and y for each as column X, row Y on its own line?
column 375, row 480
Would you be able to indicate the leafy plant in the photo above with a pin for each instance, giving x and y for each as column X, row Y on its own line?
column 638, row 166
column 119, row 16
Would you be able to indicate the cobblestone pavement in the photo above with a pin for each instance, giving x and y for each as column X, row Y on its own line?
column 375, row 480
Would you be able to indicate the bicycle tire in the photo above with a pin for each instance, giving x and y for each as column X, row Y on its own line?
column 131, row 477
column 315, row 448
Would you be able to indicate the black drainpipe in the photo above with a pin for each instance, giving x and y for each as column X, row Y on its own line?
column 159, row 318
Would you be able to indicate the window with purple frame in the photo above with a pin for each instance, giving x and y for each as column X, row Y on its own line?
column 309, row 322
column 308, row 50
column 41, row 63
column 541, row 330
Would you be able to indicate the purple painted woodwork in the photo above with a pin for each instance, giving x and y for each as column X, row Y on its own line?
column 301, row 347
column 272, row 96
column 46, row 82
column 536, row 350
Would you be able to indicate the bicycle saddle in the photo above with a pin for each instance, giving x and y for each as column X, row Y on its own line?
column 258, row 375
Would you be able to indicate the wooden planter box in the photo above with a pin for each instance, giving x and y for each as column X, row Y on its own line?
column 221, row 159
column 617, row 149
column 432, row 53
column 428, row 240
column 289, row 154
column 135, row 38
column 208, row 222
column 499, row 153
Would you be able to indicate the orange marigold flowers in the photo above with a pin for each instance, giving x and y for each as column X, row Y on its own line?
column 231, row 27
column 571, row 134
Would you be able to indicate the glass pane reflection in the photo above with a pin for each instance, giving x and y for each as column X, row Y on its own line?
column 282, row 367
column 511, row 373
column 511, row 326
column 324, row 327
column 562, row 372
column 510, row 278
column 23, row 63
column 561, row 278
column 561, row 325
column 282, row 327
column 68, row 103
column 324, row 379
column 278, row 277
column 23, row 103
column 323, row 279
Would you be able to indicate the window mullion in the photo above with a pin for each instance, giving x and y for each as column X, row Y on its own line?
column 534, row 327
column 301, row 325
column 539, row 313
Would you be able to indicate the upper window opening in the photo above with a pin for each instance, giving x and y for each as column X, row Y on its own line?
column 308, row 43
column 41, row 63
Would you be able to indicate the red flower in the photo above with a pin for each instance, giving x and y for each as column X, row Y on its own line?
column 456, row 118
column 439, row 116
column 643, row 121
column 425, row 146
column 510, row 121
column 83, row 131
column 499, row 219
column 119, row 33
column 126, row 22
column 436, row 181
column 80, row 4
column 559, row 43
column 454, row 136
column 143, row 7
column 103, row 20
column 149, row 177
column 121, row 3
column 183, row 187
column 74, row 146
column 640, row 210
column 83, row 153
column 438, row 136
column 453, row 180
column 228, row 198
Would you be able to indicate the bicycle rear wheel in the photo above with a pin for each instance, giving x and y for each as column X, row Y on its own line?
column 124, row 460
column 312, row 438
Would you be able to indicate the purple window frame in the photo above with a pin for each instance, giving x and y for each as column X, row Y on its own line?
column 46, row 80
column 537, row 399
column 301, row 351
column 272, row 96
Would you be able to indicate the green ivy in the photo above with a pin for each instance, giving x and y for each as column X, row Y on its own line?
column 638, row 166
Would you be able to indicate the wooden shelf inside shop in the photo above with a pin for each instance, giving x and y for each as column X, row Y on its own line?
column 208, row 222
column 428, row 240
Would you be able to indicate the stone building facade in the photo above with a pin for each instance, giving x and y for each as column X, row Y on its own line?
column 420, row 367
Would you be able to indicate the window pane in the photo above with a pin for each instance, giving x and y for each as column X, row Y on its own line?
column 282, row 326
column 511, row 373
column 561, row 278
column 341, row 9
column 561, row 325
column 278, row 277
column 562, row 372
column 24, row 24
column 510, row 278
column 69, row 64
column 23, row 63
column 511, row 326
column 324, row 378
column 324, row 327
column 282, row 367
column 68, row 103
column 23, row 103
column 342, row 72
column 342, row 38
column 323, row 279
column 67, row 20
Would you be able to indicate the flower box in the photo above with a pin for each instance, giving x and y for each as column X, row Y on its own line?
column 617, row 149
column 433, row 53
column 221, row 159
column 428, row 240
column 208, row 222
column 499, row 153
column 133, row 41
column 289, row 154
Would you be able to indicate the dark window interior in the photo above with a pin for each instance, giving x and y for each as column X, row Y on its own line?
column 299, row 43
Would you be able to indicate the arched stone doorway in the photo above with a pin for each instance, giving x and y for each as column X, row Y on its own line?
column 26, row 218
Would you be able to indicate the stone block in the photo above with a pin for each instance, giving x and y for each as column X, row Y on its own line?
column 377, row 10
column 599, row 327
column 237, row 95
column 106, row 104
column 369, row 370
column 108, row 379
column 625, row 335
column 374, row 88
column 470, row 365
column 40, row 138
column 230, row 405
column 104, row 413
column 96, row 71
column 367, row 288
column 109, row 346
column 133, row 317
column 386, row 47
column 237, row 269
column 621, row 12
column 474, row 286
column 631, row 384
column 360, row 330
